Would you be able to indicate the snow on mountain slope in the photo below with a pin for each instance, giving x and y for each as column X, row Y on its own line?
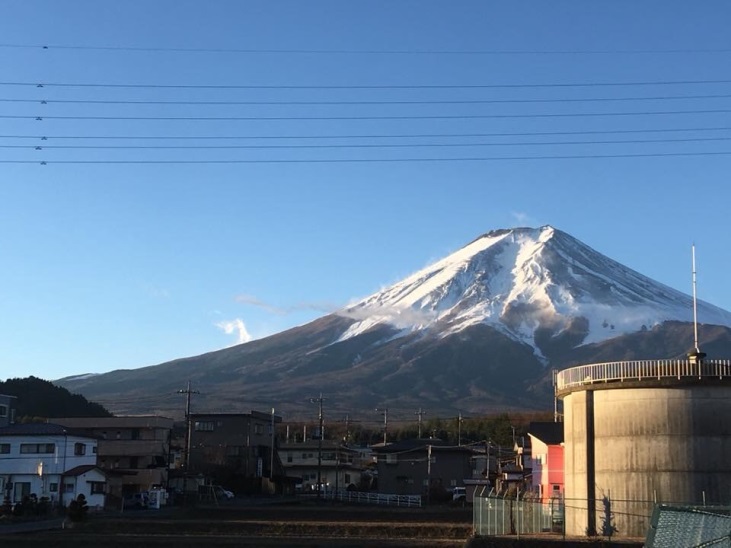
column 523, row 279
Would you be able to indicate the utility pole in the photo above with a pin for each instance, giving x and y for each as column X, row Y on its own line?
column 346, row 438
column 428, row 474
column 319, row 444
column 459, row 428
column 186, row 454
column 271, row 464
column 385, row 424
column 420, row 413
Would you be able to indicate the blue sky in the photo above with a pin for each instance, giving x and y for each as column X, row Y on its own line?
column 112, row 259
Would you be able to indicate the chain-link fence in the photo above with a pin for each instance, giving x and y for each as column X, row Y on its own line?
column 522, row 513
column 690, row 527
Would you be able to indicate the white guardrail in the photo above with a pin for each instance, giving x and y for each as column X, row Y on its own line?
column 641, row 370
column 375, row 498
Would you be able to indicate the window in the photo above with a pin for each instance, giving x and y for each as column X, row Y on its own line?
column 3, row 411
column 4, row 448
column 258, row 429
column 79, row 449
column 134, row 462
column 53, row 487
column 21, row 489
column 135, row 433
column 68, row 487
column 235, row 450
column 93, row 449
column 289, row 457
column 37, row 448
column 97, row 487
column 204, row 426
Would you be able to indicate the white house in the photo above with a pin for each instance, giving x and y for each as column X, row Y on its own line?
column 49, row 460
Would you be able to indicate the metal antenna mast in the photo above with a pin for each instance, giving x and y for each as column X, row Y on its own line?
column 695, row 307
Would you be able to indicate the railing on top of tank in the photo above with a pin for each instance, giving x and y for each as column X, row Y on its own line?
column 641, row 370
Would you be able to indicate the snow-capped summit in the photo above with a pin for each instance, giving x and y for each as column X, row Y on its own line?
column 523, row 280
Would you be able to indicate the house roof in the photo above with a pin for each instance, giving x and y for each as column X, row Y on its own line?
column 550, row 433
column 126, row 421
column 40, row 429
column 83, row 469
column 313, row 445
column 418, row 445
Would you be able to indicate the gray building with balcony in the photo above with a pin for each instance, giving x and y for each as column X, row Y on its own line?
column 134, row 450
column 237, row 446
column 422, row 467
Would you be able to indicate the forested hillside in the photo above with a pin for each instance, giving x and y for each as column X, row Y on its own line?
column 39, row 399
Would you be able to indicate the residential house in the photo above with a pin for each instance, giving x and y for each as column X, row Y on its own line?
column 7, row 410
column 547, row 459
column 47, row 460
column 338, row 466
column 237, row 446
column 133, row 450
column 420, row 466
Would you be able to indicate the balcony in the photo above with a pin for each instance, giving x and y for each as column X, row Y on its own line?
column 641, row 371
column 131, row 448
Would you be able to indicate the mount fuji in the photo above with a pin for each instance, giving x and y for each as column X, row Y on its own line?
column 529, row 284
column 478, row 331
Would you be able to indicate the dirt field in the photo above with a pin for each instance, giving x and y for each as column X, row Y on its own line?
column 244, row 524
column 251, row 523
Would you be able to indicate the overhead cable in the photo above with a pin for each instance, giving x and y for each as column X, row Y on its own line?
column 376, row 160
column 372, row 86
column 380, row 117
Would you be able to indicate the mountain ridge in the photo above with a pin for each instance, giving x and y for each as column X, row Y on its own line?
column 477, row 330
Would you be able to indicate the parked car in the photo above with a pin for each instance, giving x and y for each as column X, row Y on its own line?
column 222, row 493
column 136, row 501
column 459, row 493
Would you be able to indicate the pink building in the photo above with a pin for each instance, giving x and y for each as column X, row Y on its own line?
column 547, row 459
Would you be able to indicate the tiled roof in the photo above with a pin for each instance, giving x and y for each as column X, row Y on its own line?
column 417, row 445
column 39, row 429
column 83, row 469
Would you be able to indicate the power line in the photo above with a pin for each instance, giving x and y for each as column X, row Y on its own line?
column 363, row 136
column 370, row 86
column 357, row 145
column 309, row 51
column 372, row 160
column 386, row 117
column 414, row 102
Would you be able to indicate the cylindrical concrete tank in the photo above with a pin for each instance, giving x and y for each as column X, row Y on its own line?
column 646, row 435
